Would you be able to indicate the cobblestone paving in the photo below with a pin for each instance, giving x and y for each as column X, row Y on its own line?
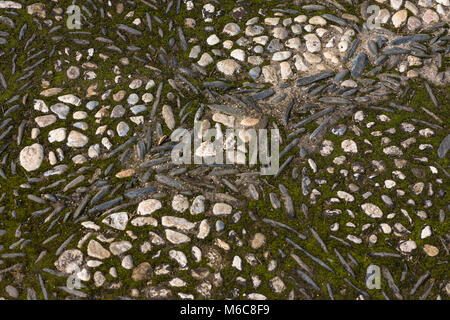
column 92, row 205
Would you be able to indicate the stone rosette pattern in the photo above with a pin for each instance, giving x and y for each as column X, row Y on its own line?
column 93, row 207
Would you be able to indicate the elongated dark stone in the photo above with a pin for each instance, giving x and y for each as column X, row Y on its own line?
column 7, row 21
column 320, row 127
column 168, row 181
column 3, row 81
column 373, row 48
column 74, row 292
column 106, row 205
column 444, row 146
column 364, row 293
column 330, row 292
column 64, row 245
column 226, row 109
column 427, row 291
column 335, row 19
column 100, row 194
column 190, row 85
column 353, row 46
column 432, row 125
column 157, row 99
column 182, row 39
column 419, row 282
column 140, row 192
column 307, row 279
column 403, row 108
column 282, row 167
column 40, row 212
column 223, row 172
column 81, row 206
column 431, row 94
column 288, row 148
column 215, row 84
column 359, row 64
column 319, row 240
column 396, row 50
column 129, row 29
column 406, row 39
column 313, row 117
column 390, row 280
column 165, row 147
column 288, row 202
column 315, row 259
column 341, row 75
column 5, row 133
column 263, row 94
column 384, row 254
column 287, row 113
column 313, row 7
column 122, row 146
column 282, row 225
column 314, row 78
column 251, row 103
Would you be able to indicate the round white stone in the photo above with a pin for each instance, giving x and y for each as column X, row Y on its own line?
column 31, row 157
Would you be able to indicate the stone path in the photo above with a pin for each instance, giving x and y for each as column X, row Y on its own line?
column 92, row 205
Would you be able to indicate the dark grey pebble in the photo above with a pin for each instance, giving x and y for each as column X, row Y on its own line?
column 313, row 117
column 384, row 255
column 315, row 259
column 390, row 280
column 168, row 181
column 313, row 7
column 396, row 50
column 282, row 225
column 129, row 29
column 288, row 148
column 353, row 46
column 215, row 84
column 406, row 39
column 122, row 146
column 334, row 19
column 106, row 205
column 288, row 202
column 373, row 48
column 319, row 240
column 274, row 201
column 364, row 293
column 344, row 263
column 314, row 78
column 320, row 127
column 131, row 194
column 359, row 64
column 284, row 165
column 226, row 109
column 307, row 279
column 444, row 146
column 431, row 94
column 341, row 75
column 263, row 94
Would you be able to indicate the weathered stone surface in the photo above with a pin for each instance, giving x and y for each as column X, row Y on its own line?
column 95, row 249
column 372, row 210
column 69, row 261
column 149, row 206
column 31, row 157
